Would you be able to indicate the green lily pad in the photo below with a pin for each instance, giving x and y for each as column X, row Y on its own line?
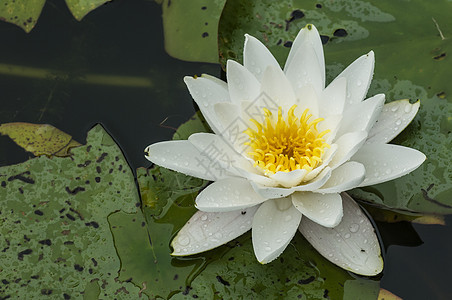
column 23, row 13
column 55, row 236
column 80, row 8
column 40, row 139
column 190, row 29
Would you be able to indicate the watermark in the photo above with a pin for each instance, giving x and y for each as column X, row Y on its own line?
column 219, row 156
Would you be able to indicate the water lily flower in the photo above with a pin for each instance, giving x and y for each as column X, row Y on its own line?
column 284, row 150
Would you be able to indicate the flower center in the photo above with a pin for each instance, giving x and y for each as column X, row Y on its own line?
column 286, row 145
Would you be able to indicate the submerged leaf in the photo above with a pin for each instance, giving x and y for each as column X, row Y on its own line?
column 54, row 232
column 23, row 13
column 40, row 139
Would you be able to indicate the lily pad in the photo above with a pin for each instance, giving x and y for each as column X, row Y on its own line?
column 55, row 235
column 80, row 8
column 191, row 29
column 23, row 13
column 40, row 139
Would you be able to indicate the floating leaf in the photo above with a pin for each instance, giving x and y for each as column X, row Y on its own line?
column 191, row 29
column 39, row 139
column 361, row 289
column 276, row 23
column 195, row 124
column 80, row 8
column 55, row 236
column 23, row 13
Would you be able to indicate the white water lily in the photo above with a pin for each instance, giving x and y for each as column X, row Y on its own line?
column 284, row 150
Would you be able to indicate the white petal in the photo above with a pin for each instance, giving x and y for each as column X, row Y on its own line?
column 255, row 178
column 344, row 178
column 241, row 83
column 326, row 158
column 216, row 80
column 270, row 192
column 205, row 231
column 352, row 245
column 348, row 144
column 332, row 99
column 183, row 157
column 308, row 36
column 307, row 99
column 304, row 69
column 256, row 57
column 325, row 210
column 316, row 183
column 331, row 123
column 393, row 119
column 219, row 150
column 359, row 75
column 276, row 86
column 289, row 179
column 362, row 116
column 278, row 192
column 384, row 162
column 206, row 92
column 232, row 125
column 227, row 195
column 274, row 225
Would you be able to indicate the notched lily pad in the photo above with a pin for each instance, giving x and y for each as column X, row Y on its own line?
column 55, row 238
column 80, row 8
column 23, row 13
column 40, row 139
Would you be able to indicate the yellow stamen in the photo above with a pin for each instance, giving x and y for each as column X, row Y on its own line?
column 286, row 145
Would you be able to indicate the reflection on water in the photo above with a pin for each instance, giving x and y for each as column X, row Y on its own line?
column 124, row 38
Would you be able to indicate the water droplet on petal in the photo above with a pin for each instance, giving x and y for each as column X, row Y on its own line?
column 388, row 171
column 398, row 122
column 394, row 108
column 359, row 83
column 183, row 240
column 204, row 218
column 268, row 249
column 347, row 235
column 353, row 227
column 218, row 235
column 408, row 108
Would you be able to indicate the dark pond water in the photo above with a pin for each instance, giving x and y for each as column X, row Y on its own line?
column 125, row 38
